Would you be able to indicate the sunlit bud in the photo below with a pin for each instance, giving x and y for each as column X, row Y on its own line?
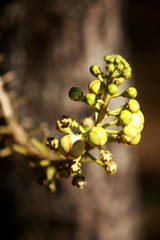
column 90, row 99
column 96, row 87
column 130, row 92
column 95, row 70
column 112, row 88
column 130, row 135
column 125, row 117
column 97, row 136
column 133, row 106
column 71, row 146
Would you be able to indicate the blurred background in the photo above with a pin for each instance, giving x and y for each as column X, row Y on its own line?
column 51, row 45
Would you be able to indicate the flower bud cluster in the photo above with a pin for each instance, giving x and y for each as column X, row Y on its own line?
column 117, row 63
column 79, row 139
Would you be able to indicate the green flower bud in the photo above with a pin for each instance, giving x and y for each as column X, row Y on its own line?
column 71, row 146
column 90, row 99
column 110, row 67
column 75, row 93
column 97, row 136
column 96, row 87
column 79, row 181
column 106, row 157
column 130, row 135
column 133, row 106
column 118, row 59
column 111, row 168
column 125, row 117
column 126, row 73
column 118, row 81
column 120, row 66
column 112, row 58
column 131, row 92
column 112, row 88
column 138, row 120
column 95, row 70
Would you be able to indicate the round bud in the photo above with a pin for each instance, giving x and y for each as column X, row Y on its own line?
column 71, row 146
column 96, row 87
column 112, row 88
column 97, row 136
column 125, row 117
column 95, row 70
column 118, row 59
column 110, row 67
column 112, row 58
column 131, row 92
column 138, row 120
column 106, row 157
column 131, row 135
column 133, row 106
column 120, row 66
column 126, row 73
column 111, row 168
column 90, row 99
column 75, row 93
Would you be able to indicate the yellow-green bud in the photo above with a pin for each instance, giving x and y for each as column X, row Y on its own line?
column 130, row 92
column 71, row 146
column 96, row 87
column 118, row 59
column 126, row 73
column 110, row 67
column 90, row 99
column 118, row 81
column 125, row 117
column 95, row 70
column 75, row 93
column 111, row 168
column 112, row 88
column 97, row 136
column 131, row 135
column 120, row 66
column 133, row 106
column 106, row 157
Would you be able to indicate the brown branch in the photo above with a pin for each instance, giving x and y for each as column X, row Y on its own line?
column 18, row 133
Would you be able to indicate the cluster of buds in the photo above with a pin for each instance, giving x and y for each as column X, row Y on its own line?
column 74, row 147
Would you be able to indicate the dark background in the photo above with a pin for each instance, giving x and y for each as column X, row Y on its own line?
column 142, row 45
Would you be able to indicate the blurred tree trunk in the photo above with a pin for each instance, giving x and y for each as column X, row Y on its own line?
column 51, row 46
